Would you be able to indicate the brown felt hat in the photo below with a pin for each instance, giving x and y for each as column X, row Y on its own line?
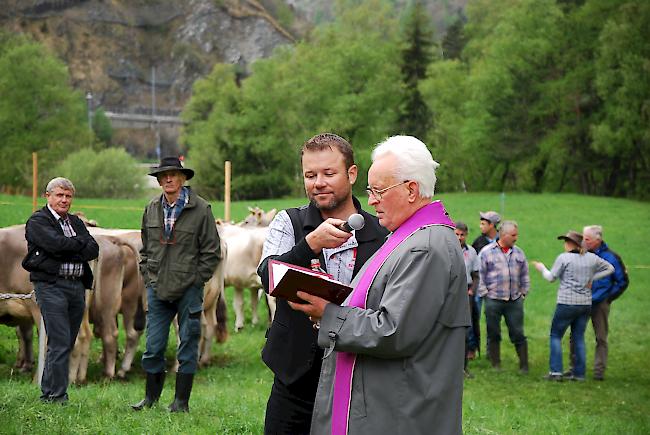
column 574, row 236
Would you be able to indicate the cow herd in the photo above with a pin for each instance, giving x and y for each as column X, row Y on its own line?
column 118, row 288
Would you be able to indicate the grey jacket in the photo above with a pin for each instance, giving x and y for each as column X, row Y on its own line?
column 409, row 341
column 192, row 256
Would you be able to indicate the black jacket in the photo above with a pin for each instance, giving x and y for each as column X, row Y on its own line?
column 481, row 242
column 291, row 347
column 48, row 247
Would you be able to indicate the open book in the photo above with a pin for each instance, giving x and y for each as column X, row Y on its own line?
column 286, row 279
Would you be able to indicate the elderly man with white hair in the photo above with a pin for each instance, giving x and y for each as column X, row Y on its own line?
column 394, row 350
column 603, row 291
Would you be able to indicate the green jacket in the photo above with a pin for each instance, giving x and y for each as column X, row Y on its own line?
column 191, row 257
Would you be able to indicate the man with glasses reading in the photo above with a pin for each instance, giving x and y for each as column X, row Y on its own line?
column 180, row 251
column 394, row 350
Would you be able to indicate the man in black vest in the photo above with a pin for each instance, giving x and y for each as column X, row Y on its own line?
column 310, row 236
column 58, row 250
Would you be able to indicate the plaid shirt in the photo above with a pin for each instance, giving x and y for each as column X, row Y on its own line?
column 171, row 212
column 503, row 276
column 575, row 271
column 67, row 269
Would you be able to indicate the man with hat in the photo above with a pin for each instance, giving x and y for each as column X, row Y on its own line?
column 180, row 251
column 488, row 226
column 489, row 223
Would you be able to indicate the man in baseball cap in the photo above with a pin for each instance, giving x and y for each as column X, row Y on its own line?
column 489, row 221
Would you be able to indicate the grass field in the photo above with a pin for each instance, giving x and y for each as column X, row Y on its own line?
column 230, row 396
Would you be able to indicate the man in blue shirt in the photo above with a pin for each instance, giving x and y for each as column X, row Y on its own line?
column 602, row 291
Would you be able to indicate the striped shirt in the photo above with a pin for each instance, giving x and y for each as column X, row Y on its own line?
column 575, row 272
column 503, row 276
column 67, row 269
column 471, row 262
column 339, row 262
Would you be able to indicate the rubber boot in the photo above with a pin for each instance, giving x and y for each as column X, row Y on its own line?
column 153, row 389
column 183, row 389
column 522, row 353
column 494, row 354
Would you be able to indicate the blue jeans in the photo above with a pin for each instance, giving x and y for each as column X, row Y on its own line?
column 160, row 314
column 575, row 316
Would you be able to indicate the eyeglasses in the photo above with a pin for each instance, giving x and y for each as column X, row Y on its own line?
column 377, row 193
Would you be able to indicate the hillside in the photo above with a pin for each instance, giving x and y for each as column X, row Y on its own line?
column 124, row 52
column 111, row 46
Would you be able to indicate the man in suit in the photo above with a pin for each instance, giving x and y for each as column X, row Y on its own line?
column 58, row 250
column 311, row 236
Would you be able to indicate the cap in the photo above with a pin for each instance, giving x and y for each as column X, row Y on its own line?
column 490, row 216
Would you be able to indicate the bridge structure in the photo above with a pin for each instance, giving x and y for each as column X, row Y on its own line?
column 143, row 120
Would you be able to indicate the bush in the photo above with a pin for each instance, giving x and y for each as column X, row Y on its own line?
column 109, row 173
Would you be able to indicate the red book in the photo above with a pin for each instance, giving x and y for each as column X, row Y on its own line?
column 285, row 280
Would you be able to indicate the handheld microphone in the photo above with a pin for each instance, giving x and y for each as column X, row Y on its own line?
column 354, row 222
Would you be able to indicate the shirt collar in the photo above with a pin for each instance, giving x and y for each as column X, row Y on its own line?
column 57, row 217
column 182, row 198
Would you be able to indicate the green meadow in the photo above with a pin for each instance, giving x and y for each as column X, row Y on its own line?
column 230, row 395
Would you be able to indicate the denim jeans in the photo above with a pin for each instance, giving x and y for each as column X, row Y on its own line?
column 575, row 316
column 513, row 312
column 160, row 314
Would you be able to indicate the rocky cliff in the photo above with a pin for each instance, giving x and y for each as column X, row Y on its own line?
column 113, row 46
column 126, row 51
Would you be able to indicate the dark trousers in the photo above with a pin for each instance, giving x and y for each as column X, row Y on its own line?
column 600, row 321
column 290, row 407
column 160, row 315
column 62, row 306
column 513, row 312
column 474, row 331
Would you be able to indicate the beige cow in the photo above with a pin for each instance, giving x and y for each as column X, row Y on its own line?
column 258, row 218
column 244, row 253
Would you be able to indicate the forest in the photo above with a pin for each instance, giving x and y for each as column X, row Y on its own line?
column 526, row 95
column 518, row 95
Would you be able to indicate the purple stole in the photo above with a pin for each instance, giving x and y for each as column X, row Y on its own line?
column 431, row 214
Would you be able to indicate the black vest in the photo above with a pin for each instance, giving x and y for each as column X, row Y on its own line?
column 291, row 348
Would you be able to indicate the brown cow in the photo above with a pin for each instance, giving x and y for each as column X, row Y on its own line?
column 14, row 280
column 133, row 298
column 103, row 305
column 102, row 302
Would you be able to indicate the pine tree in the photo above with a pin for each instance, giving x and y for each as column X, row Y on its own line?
column 454, row 40
column 418, row 40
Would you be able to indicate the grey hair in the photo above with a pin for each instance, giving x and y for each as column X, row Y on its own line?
column 414, row 162
column 594, row 230
column 507, row 226
column 61, row 182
